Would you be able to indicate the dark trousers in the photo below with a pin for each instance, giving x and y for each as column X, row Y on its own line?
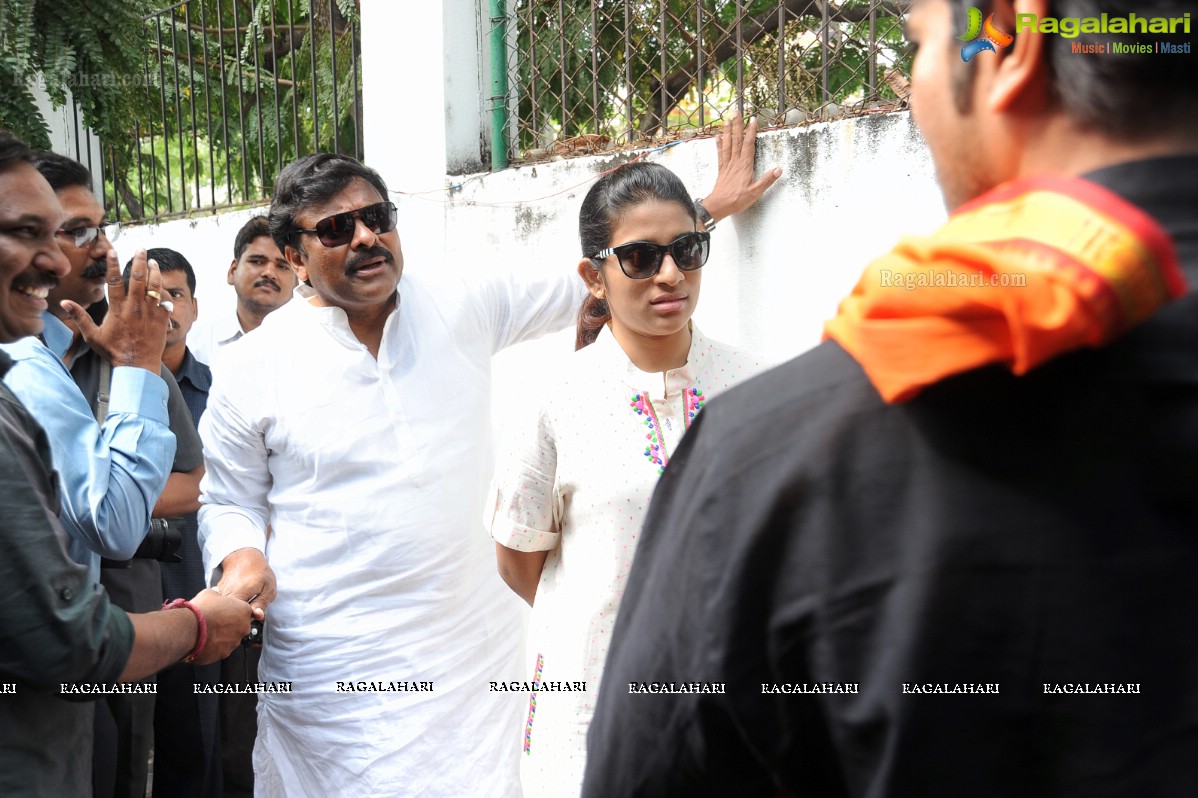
column 239, row 722
column 124, row 732
column 125, row 723
column 187, row 762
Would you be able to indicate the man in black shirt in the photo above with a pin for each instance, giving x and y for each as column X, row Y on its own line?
column 950, row 552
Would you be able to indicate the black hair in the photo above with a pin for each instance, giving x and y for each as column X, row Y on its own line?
column 255, row 228
column 60, row 171
column 308, row 181
column 611, row 196
column 1126, row 97
column 13, row 151
column 169, row 260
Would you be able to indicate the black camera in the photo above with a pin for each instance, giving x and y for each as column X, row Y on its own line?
column 162, row 542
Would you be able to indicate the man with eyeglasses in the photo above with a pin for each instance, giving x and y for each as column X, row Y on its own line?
column 367, row 455
column 111, row 472
column 85, row 238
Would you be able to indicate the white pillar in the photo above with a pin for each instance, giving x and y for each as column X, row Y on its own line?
column 422, row 108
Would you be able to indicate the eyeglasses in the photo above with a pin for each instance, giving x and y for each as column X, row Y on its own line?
column 338, row 230
column 84, row 236
column 640, row 260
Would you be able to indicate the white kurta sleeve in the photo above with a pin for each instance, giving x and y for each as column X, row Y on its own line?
column 519, row 306
column 233, row 493
column 523, row 511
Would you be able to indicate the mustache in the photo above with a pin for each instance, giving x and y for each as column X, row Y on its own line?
column 36, row 279
column 264, row 281
column 377, row 251
column 97, row 268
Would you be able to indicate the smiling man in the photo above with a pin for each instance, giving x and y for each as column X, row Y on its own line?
column 31, row 262
column 60, row 632
column 112, row 472
column 984, row 491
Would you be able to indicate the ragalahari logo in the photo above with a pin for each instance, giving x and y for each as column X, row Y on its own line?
column 991, row 37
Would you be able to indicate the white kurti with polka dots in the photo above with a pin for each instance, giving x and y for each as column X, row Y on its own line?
column 577, row 484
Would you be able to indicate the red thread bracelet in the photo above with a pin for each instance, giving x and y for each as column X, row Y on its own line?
column 203, row 639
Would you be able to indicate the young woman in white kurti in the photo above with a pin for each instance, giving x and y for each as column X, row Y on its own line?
column 569, row 498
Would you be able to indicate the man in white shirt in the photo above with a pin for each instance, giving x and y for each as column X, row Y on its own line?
column 263, row 281
column 367, row 456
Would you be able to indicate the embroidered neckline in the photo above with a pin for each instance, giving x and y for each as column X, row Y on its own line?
column 642, row 405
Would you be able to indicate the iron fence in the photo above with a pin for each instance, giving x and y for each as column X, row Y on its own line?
column 235, row 90
column 594, row 74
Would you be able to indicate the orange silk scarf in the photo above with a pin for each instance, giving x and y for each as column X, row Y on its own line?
column 1025, row 272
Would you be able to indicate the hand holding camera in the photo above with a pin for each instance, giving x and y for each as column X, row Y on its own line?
column 227, row 620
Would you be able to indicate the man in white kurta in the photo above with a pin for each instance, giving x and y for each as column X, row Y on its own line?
column 368, row 455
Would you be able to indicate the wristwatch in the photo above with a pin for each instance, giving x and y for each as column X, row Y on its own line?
column 704, row 217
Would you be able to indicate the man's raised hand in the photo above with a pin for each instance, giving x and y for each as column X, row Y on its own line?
column 134, row 331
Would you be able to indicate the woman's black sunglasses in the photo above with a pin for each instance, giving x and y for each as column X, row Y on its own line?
column 338, row 230
column 640, row 260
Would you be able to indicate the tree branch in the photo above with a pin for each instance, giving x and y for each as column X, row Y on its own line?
column 208, row 65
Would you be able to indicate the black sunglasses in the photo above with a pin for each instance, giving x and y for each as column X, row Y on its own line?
column 640, row 260
column 338, row 230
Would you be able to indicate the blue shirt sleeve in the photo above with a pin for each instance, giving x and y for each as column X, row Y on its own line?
column 111, row 475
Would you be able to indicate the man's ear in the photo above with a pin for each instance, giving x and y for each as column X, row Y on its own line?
column 1020, row 78
column 195, row 309
column 593, row 279
column 296, row 261
column 292, row 272
column 232, row 268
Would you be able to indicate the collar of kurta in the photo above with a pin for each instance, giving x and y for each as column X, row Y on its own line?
column 657, row 385
column 1029, row 271
column 333, row 318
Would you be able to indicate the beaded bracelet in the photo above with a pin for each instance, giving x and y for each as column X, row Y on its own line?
column 203, row 639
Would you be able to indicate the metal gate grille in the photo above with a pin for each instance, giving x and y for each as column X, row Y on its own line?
column 234, row 92
column 591, row 74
